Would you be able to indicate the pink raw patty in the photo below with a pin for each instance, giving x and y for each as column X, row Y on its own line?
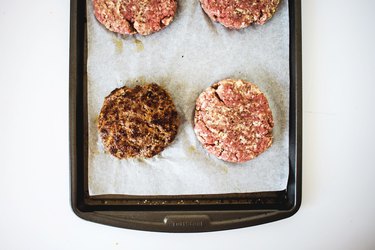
column 237, row 14
column 135, row 16
column 233, row 120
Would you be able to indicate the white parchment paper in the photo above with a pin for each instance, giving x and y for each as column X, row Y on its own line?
column 185, row 58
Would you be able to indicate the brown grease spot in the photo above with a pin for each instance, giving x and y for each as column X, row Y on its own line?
column 224, row 169
column 192, row 149
column 94, row 151
column 139, row 45
column 118, row 45
column 96, row 119
column 142, row 79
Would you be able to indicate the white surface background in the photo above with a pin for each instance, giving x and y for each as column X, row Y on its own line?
column 338, row 203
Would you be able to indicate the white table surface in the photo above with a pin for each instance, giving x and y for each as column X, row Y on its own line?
column 338, row 200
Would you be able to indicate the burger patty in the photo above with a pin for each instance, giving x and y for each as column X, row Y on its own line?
column 237, row 14
column 135, row 16
column 233, row 120
column 137, row 122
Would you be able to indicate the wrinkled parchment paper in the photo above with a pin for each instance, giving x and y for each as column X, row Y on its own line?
column 185, row 58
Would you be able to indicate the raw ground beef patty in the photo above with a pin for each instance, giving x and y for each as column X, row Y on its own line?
column 137, row 122
column 237, row 14
column 233, row 120
column 135, row 16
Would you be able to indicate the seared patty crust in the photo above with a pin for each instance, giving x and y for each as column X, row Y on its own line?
column 237, row 14
column 135, row 16
column 233, row 120
column 137, row 122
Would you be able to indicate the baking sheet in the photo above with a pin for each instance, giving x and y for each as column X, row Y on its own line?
column 185, row 58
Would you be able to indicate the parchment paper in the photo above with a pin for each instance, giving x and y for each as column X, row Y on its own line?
column 185, row 58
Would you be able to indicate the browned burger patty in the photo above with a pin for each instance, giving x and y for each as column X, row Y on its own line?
column 237, row 14
column 233, row 120
column 138, row 122
column 135, row 16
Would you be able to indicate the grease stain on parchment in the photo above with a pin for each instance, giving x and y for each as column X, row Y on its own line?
column 139, row 47
column 118, row 44
column 95, row 150
column 192, row 149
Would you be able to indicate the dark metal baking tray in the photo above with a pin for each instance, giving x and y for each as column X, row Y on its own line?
column 185, row 213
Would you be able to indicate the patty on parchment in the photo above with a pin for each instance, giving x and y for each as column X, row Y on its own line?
column 135, row 16
column 137, row 122
column 237, row 14
column 233, row 120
